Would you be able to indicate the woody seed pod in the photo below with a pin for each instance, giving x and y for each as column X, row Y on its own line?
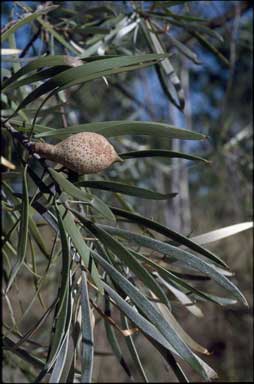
column 83, row 153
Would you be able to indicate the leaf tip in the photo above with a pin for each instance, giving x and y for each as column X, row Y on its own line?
column 245, row 302
column 171, row 195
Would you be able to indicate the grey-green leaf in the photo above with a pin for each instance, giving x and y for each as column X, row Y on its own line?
column 126, row 189
column 160, row 153
column 90, row 71
column 25, row 20
column 222, row 233
column 126, row 257
column 155, row 317
column 185, row 257
column 77, row 193
column 87, row 334
column 23, row 232
column 120, row 128
column 133, row 217
column 80, row 245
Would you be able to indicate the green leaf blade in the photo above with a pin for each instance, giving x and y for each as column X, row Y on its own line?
column 77, row 193
column 87, row 334
column 160, row 153
column 121, row 252
column 23, row 232
column 185, row 257
column 167, row 232
column 126, row 189
column 120, row 128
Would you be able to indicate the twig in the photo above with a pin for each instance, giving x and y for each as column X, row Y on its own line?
column 30, row 42
column 21, row 138
column 62, row 112
column 27, row 144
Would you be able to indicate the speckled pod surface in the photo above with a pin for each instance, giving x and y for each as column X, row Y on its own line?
column 83, row 153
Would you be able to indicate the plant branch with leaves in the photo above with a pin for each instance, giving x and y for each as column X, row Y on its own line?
column 105, row 258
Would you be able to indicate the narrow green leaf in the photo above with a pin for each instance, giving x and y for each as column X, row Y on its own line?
column 41, row 62
column 60, row 361
column 8, row 344
column 26, row 127
column 67, row 375
column 37, row 236
column 195, row 28
column 184, row 49
column 119, row 128
column 81, row 247
column 126, row 257
column 50, row 28
column 171, row 277
column 77, row 193
column 222, row 233
column 68, row 187
column 125, row 189
column 36, row 278
column 133, row 351
column 87, row 334
column 42, row 75
column 91, row 30
column 146, row 326
column 160, row 153
column 112, row 339
column 167, row 232
column 23, row 232
column 101, row 10
column 102, row 208
column 185, row 257
column 48, row 61
column 39, row 182
column 183, row 299
column 165, row 4
column 169, row 317
column 35, row 327
column 25, row 20
column 90, row 71
column 155, row 317
column 186, row 17
column 210, row 47
column 63, row 295
column 170, row 359
column 6, row 237
column 63, row 312
column 168, row 77
column 223, row 301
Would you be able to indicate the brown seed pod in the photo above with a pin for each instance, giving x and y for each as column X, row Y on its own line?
column 83, row 153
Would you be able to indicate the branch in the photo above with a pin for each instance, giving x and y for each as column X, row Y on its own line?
column 30, row 42
column 20, row 137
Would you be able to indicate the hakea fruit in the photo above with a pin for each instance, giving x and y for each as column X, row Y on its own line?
column 83, row 153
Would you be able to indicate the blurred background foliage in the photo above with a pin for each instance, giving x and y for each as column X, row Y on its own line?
column 218, row 103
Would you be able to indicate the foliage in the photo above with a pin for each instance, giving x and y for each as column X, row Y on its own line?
column 109, row 255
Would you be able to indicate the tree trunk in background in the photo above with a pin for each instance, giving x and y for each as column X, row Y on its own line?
column 179, row 212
